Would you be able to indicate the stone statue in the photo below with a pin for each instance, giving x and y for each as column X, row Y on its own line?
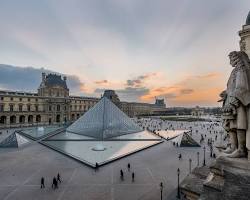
column 236, row 104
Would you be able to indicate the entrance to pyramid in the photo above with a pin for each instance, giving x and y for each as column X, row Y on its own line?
column 104, row 121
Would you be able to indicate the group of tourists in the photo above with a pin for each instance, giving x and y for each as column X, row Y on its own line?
column 55, row 181
column 122, row 173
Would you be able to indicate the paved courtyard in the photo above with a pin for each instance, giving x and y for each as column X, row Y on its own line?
column 21, row 170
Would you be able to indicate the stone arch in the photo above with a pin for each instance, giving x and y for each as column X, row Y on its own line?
column 3, row 119
column 73, row 117
column 78, row 115
column 12, row 119
column 38, row 118
column 21, row 119
column 58, row 118
column 30, row 119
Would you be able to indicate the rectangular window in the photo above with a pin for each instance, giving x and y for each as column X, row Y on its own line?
column 11, row 108
column 28, row 107
column 36, row 107
column 1, row 108
column 20, row 99
column 20, row 108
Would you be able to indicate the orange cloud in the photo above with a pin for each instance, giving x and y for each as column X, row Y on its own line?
column 193, row 90
column 101, row 82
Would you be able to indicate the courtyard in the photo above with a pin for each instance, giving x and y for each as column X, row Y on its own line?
column 22, row 168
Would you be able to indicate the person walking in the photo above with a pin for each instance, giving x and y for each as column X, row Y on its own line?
column 180, row 156
column 54, row 183
column 121, row 174
column 128, row 166
column 58, row 178
column 133, row 177
column 42, row 183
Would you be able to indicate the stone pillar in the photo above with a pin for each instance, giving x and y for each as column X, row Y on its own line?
column 245, row 39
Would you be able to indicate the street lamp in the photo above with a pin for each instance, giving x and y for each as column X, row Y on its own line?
column 161, row 187
column 204, row 160
column 178, row 189
column 198, row 158
column 190, row 163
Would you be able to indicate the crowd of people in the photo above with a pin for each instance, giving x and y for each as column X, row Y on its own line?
column 55, row 181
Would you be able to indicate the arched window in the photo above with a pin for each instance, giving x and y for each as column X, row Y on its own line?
column 30, row 119
column 3, row 119
column 38, row 118
column 22, row 119
column 58, row 118
column 13, row 119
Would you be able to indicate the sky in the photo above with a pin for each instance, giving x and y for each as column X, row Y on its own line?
column 172, row 49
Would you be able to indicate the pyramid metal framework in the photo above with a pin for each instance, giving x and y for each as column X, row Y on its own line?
column 185, row 140
column 14, row 140
column 104, row 120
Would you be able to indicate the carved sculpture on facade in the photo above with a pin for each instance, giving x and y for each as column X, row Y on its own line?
column 236, row 104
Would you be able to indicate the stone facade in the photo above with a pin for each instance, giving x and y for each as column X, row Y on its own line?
column 52, row 104
column 245, row 36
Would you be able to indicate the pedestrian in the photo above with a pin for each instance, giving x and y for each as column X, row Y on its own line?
column 180, row 156
column 133, row 177
column 42, row 183
column 54, row 183
column 121, row 174
column 58, row 178
column 128, row 166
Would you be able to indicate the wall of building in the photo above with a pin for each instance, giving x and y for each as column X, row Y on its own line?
column 53, row 105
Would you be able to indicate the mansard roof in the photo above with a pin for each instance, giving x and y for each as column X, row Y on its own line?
column 55, row 80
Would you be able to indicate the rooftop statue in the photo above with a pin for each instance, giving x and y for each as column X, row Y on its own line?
column 236, row 101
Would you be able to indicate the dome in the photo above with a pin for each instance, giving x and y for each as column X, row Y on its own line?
column 248, row 19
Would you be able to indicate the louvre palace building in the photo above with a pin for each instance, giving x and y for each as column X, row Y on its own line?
column 52, row 104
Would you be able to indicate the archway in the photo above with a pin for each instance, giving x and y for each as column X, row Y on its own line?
column 30, row 119
column 57, row 118
column 13, row 119
column 22, row 119
column 73, row 117
column 3, row 119
column 38, row 118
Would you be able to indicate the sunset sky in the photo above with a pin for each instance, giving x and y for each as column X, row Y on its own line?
column 176, row 49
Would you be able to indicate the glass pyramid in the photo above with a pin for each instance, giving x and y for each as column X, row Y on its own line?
column 14, row 140
column 185, row 140
column 104, row 120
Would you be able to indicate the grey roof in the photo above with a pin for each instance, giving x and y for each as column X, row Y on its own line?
column 248, row 19
column 55, row 80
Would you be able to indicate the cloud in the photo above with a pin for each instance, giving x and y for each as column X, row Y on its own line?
column 186, row 91
column 101, row 82
column 199, row 90
column 139, row 80
column 127, row 94
column 29, row 79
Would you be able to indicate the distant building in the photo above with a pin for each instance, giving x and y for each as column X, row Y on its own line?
column 52, row 104
column 197, row 111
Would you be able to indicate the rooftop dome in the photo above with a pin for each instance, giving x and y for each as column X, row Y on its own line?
column 248, row 19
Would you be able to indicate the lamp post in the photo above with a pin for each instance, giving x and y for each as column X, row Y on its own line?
column 198, row 159
column 161, row 187
column 190, row 163
column 211, row 150
column 204, row 160
column 178, row 189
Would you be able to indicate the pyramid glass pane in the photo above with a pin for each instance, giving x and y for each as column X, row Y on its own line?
column 104, row 120
column 21, row 140
column 10, row 141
